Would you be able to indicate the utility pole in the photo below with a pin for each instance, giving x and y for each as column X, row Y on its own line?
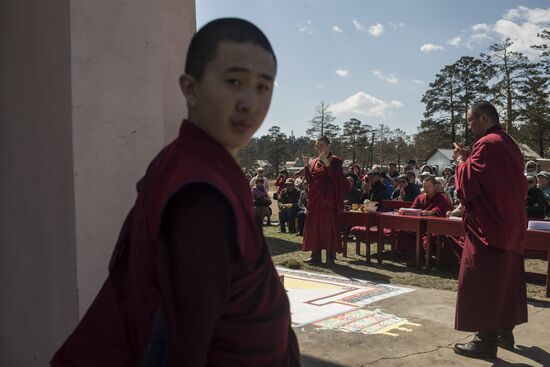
column 371, row 158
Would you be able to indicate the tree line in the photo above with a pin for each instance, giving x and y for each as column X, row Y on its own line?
column 362, row 143
column 520, row 89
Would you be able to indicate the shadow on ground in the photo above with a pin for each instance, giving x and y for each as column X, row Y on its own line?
column 543, row 303
column 533, row 353
column 280, row 246
column 364, row 274
column 310, row 361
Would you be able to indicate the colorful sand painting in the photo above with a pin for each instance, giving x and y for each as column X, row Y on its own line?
column 337, row 303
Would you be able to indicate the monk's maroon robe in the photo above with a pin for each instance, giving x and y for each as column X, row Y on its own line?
column 251, row 319
column 492, row 188
column 439, row 204
column 325, row 205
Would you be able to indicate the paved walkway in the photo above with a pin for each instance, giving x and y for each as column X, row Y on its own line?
column 426, row 341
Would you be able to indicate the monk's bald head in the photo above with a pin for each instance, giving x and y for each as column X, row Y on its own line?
column 487, row 109
column 481, row 117
column 205, row 42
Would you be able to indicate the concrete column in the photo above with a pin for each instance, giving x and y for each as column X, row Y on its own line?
column 88, row 95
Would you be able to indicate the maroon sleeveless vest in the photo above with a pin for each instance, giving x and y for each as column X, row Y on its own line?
column 116, row 329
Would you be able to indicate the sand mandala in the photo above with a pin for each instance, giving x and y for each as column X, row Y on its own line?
column 337, row 303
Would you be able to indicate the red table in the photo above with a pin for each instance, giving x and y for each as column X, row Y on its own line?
column 540, row 241
column 441, row 226
column 401, row 222
column 352, row 219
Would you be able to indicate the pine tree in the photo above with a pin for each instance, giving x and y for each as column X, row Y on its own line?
column 534, row 110
column 276, row 151
column 509, row 70
column 473, row 76
column 401, row 141
column 355, row 137
column 382, row 136
column 442, row 100
column 431, row 135
column 544, row 49
column 322, row 123
column 248, row 156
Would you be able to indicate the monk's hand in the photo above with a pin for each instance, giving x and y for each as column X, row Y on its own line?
column 460, row 153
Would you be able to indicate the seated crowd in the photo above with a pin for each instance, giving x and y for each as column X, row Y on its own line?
column 291, row 197
column 433, row 194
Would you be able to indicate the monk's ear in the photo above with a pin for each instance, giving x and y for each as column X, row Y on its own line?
column 188, row 85
column 484, row 119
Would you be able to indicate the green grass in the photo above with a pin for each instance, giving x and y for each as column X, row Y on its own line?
column 286, row 251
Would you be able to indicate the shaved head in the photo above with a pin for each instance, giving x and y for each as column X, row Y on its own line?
column 204, row 43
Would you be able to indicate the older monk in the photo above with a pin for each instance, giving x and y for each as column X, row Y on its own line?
column 491, row 297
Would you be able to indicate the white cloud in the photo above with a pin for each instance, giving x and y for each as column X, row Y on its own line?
column 478, row 38
column 319, row 86
column 535, row 16
column 455, row 41
column 343, row 73
column 430, row 47
column 397, row 25
column 358, row 26
column 512, row 13
column 523, row 36
column 335, row 28
column 306, row 28
column 481, row 27
column 364, row 104
column 276, row 84
column 376, row 29
column 416, row 81
column 389, row 78
column 520, row 24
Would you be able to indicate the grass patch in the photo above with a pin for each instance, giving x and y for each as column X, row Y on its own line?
column 292, row 264
column 286, row 249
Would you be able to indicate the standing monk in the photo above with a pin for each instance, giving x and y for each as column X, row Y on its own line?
column 173, row 298
column 492, row 296
column 325, row 203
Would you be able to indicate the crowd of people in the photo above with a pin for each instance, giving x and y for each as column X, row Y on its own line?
column 430, row 190
column 382, row 183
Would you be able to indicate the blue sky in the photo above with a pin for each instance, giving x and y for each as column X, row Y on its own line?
column 372, row 60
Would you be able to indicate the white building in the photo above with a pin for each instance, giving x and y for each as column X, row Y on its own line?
column 440, row 158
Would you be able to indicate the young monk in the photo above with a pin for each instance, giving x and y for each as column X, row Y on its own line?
column 491, row 296
column 325, row 203
column 431, row 203
column 173, row 298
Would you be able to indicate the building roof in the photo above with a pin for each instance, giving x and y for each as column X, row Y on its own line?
column 448, row 153
column 528, row 153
